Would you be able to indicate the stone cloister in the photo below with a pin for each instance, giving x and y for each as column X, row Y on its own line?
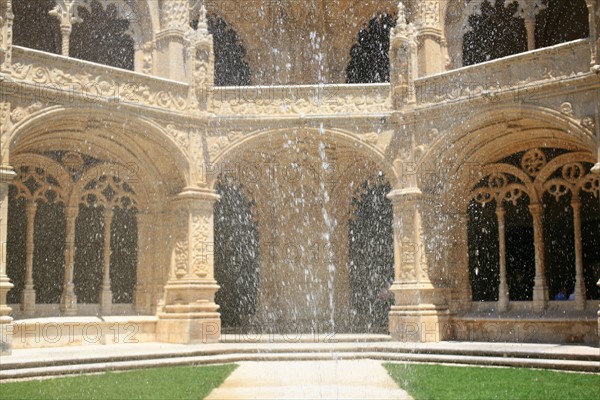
column 110, row 168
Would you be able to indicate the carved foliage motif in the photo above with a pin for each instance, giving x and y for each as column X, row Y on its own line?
column 202, row 259
column 181, row 258
column 5, row 124
column 345, row 104
column 96, row 86
column 179, row 136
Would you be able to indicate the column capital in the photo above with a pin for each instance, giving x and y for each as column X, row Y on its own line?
column 500, row 210
column 536, row 208
column 193, row 194
column 7, row 173
column 410, row 194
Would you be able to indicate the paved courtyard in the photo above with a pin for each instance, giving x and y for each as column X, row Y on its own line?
column 348, row 379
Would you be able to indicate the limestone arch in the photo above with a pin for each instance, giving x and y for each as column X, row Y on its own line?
column 461, row 155
column 370, row 152
column 111, row 135
column 497, row 133
column 303, row 232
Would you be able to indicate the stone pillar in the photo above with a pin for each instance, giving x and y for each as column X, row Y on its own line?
column 598, row 284
column 105, row 291
column 6, row 327
column 190, row 313
column 540, row 289
column 341, row 280
column 28, row 294
column 432, row 58
column 580, row 295
column 6, row 22
column 171, row 41
column 503, row 287
column 459, row 264
column 528, row 10
column 420, row 312
column 68, row 300
column 66, row 11
column 594, row 22
column 142, row 300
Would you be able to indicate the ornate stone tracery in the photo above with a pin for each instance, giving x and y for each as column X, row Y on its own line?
column 573, row 178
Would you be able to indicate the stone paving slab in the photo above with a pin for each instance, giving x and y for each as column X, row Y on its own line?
column 350, row 379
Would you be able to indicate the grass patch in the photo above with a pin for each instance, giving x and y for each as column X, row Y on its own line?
column 453, row 382
column 154, row 383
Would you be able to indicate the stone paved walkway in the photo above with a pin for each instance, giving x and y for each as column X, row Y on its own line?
column 351, row 379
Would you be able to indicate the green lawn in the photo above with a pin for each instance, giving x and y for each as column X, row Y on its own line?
column 452, row 382
column 156, row 383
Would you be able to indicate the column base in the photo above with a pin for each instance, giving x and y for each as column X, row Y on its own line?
column 189, row 328
column 540, row 298
column 6, row 335
column 28, row 302
column 142, row 300
column 420, row 314
column 190, row 313
column 580, row 296
column 68, row 301
column 461, row 300
column 425, row 325
column 106, row 302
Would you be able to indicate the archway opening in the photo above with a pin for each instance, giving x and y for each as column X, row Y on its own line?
column 370, row 59
column 304, row 237
column 371, row 257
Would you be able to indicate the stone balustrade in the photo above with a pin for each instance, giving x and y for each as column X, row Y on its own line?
column 55, row 78
column 509, row 76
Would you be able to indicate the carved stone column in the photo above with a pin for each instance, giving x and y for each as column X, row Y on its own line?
column 105, row 291
column 580, row 295
column 6, row 175
column 171, row 40
column 503, row 287
column 540, row 289
column 68, row 300
column 432, row 58
column 66, row 12
column 142, row 302
column 420, row 312
column 190, row 313
column 28, row 294
column 6, row 22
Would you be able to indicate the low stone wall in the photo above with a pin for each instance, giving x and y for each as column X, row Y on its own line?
column 80, row 331
column 525, row 330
